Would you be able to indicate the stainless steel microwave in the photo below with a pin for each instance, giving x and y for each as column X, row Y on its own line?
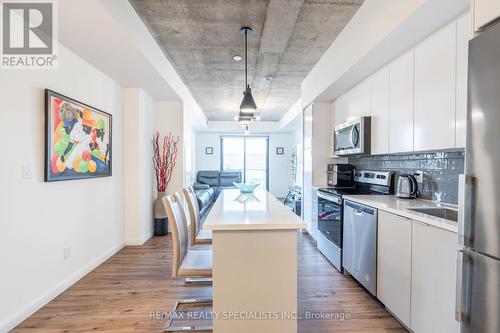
column 353, row 137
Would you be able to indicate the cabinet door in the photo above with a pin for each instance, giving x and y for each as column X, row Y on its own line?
column 485, row 11
column 320, row 143
column 314, row 214
column 333, row 109
column 434, row 258
column 435, row 72
column 307, row 189
column 380, row 112
column 340, row 110
column 394, row 264
column 463, row 37
column 401, row 103
column 307, row 129
column 358, row 101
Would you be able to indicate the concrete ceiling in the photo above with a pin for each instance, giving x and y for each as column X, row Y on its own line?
column 200, row 38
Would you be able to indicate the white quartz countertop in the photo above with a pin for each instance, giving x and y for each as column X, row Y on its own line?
column 392, row 204
column 257, row 211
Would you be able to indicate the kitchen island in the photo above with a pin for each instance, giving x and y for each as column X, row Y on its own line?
column 254, row 263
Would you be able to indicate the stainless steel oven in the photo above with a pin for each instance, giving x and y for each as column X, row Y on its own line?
column 353, row 137
column 330, row 227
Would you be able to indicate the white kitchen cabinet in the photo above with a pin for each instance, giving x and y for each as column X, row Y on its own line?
column 380, row 112
column 340, row 116
column 357, row 101
column 320, row 142
column 314, row 214
column 307, row 126
column 334, row 107
column 435, row 80
column 463, row 37
column 307, row 199
column 401, row 103
column 434, row 258
column 394, row 264
column 485, row 11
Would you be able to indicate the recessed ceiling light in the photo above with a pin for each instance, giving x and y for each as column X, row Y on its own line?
column 237, row 58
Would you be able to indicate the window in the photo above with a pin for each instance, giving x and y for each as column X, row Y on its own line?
column 248, row 154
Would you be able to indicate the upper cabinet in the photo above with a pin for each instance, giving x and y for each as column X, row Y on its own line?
column 356, row 102
column 380, row 112
column 418, row 102
column 485, row 12
column 401, row 103
column 463, row 36
column 435, row 77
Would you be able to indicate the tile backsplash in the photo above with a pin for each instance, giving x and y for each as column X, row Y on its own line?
column 441, row 170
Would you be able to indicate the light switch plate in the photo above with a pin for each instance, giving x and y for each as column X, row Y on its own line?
column 27, row 171
column 67, row 252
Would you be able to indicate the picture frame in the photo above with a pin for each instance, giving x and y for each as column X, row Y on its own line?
column 209, row 150
column 280, row 150
column 78, row 139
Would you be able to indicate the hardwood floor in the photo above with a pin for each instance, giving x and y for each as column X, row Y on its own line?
column 122, row 294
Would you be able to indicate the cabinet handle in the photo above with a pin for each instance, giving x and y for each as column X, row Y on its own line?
column 357, row 212
column 458, row 292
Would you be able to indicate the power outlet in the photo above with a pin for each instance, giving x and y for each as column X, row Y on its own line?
column 419, row 176
column 67, row 252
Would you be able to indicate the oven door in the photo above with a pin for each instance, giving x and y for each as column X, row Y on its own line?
column 330, row 218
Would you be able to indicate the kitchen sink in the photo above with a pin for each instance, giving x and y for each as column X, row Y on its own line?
column 444, row 213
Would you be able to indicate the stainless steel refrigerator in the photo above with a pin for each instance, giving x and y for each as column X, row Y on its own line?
column 478, row 276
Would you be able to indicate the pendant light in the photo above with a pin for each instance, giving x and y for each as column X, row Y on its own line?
column 247, row 106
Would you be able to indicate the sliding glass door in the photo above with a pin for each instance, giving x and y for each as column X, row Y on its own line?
column 248, row 154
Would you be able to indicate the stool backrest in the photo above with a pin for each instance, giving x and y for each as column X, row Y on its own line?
column 194, row 211
column 177, row 221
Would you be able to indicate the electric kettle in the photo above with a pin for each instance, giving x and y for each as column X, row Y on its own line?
column 407, row 187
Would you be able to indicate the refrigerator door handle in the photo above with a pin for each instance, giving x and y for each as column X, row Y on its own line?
column 459, row 285
column 462, row 179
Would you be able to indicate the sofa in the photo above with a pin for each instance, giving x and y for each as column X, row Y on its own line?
column 210, row 183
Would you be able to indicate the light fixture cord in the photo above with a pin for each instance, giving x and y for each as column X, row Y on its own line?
column 246, row 61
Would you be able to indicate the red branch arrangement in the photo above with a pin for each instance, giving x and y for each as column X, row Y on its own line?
column 164, row 159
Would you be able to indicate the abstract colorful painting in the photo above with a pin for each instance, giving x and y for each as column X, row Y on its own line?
column 77, row 139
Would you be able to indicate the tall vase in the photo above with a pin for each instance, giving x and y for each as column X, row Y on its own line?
column 160, row 216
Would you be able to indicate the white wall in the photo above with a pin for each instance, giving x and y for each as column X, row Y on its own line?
column 280, row 166
column 170, row 119
column 203, row 161
column 38, row 220
column 280, row 177
column 139, row 124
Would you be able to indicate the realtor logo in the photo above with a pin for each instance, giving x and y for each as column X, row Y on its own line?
column 28, row 34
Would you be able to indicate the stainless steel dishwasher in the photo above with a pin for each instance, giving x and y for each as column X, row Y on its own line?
column 360, row 244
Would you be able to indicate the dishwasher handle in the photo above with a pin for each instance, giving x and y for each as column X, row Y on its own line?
column 359, row 209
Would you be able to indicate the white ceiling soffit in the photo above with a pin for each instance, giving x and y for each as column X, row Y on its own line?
column 87, row 28
column 380, row 31
column 110, row 35
column 233, row 127
column 289, row 119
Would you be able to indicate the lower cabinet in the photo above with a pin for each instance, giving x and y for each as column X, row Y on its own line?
column 433, row 279
column 394, row 264
column 416, row 273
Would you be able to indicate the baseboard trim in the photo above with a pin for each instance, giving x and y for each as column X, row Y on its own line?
column 27, row 311
column 139, row 242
